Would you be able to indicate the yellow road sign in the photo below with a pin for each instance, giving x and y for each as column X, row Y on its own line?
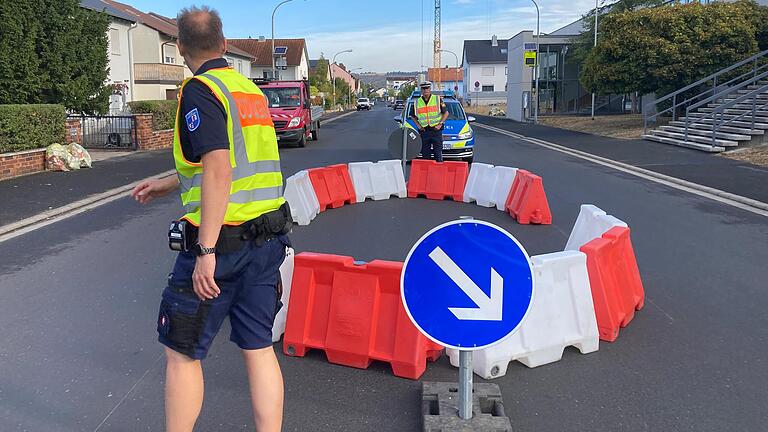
column 530, row 58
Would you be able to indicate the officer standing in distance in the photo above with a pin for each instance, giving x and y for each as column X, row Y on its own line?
column 429, row 113
column 232, row 238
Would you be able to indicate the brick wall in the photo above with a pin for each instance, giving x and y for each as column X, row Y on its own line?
column 74, row 131
column 20, row 163
column 151, row 139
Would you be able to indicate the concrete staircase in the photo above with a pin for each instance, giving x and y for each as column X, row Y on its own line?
column 735, row 125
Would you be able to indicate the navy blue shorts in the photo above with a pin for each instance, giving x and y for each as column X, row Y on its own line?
column 250, row 296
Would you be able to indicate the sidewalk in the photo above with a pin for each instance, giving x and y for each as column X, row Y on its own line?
column 736, row 177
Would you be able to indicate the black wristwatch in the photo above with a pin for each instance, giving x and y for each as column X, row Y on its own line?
column 201, row 250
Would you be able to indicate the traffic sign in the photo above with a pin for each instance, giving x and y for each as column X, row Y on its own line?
column 530, row 58
column 467, row 284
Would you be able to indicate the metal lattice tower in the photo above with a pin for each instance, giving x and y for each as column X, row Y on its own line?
column 436, row 53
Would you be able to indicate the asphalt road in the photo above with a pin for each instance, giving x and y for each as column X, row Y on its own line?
column 78, row 302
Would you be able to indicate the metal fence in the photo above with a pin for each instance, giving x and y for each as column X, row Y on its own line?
column 108, row 132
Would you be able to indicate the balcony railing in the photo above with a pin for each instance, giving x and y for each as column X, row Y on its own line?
column 158, row 73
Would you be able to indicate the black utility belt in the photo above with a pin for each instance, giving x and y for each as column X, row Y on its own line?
column 182, row 235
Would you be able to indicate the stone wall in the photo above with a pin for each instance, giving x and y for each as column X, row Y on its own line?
column 20, row 163
column 149, row 139
column 74, row 131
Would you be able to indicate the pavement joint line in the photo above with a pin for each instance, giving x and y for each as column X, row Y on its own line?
column 738, row 201
column 48, row 217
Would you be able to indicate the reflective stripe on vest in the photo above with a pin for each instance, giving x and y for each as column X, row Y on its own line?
column 245, row 201
column 428, row 113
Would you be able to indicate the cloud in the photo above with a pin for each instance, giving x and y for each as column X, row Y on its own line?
column 399, row 47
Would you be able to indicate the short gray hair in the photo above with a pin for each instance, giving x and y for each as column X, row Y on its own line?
column 200, row 30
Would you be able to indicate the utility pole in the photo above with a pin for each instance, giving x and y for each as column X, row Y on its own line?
column 436, row 58
column 333, row 79
column 597, row 12
column 536, row 68
column 274, row 69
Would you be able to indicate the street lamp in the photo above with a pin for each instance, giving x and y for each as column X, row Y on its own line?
column 333, row 79
column 597, row 12
column 457, row 61
column 274, row 70
column 536, row 67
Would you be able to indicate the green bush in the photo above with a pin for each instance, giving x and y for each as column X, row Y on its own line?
column 163, row 112
column 26, row 127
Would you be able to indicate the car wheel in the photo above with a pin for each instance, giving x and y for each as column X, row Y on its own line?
column 314, row 131
column 303, row 140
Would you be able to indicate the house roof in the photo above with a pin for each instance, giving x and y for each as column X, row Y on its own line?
column 102, row 6
column 238, row 52
column 573, row 29
column 481, row 51
column 153, row 21
column 262, row 50
column 446, row 74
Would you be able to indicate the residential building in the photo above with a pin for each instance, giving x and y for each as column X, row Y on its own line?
column 394, row 82
column 339, row 71
column 295, row 57
column 118, row 52
column 239, row 60
column 447, row 79
column 485, row 71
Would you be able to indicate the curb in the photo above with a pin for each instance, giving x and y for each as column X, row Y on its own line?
column 40, row 220
column 742, row 202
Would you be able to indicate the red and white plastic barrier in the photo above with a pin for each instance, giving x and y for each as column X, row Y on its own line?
column 489, row 185
column 378, row 181
column 592, row 223
column 301, row 198
column 333, row 186
column 561, row 315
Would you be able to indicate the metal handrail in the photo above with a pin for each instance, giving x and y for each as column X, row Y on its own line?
column 726, row 92
column 721, row 110
column 712, row 77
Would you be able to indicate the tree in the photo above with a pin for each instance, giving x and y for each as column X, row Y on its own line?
column 665, row 48
column 19, row 63
column 406, row 90
column 320, row 74
column 54, row 51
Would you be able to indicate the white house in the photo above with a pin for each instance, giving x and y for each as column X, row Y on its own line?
column 120, row 75
column 294, row 52
column 485, row 71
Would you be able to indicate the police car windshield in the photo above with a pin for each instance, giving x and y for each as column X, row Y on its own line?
column 286, row 97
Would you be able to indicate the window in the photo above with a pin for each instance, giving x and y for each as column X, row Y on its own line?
column 240, row 66
column 114, row 41
column 284, row 97
column 169, row 53
column 488, row 88
column 489, row 71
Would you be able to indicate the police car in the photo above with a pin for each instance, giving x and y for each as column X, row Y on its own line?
column 458, row 136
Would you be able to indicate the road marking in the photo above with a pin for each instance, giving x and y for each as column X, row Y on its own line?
column 738, row 201
column 337, row 117
column 48, row 217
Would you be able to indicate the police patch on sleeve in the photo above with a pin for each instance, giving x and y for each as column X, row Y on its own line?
column 193, row 120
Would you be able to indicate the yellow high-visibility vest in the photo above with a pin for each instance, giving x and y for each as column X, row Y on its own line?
column 428, row 113
column 257, row 183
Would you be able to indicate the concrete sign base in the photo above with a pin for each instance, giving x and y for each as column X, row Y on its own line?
column 440, row 407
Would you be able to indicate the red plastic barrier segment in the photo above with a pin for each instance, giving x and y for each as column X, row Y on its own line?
column 355, row 314
column 437, row 180
column 527, row 202
column 617, row 290
column 333, row 186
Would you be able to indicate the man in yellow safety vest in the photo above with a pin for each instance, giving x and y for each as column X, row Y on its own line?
column 429, row 113
column 232, row 237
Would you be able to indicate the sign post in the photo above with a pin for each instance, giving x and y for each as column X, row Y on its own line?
column 467, row 284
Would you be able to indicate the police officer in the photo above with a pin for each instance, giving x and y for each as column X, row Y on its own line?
column 429, row 113
column 235, row 221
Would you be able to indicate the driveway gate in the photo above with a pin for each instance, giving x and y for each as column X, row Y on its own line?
column 108, row 132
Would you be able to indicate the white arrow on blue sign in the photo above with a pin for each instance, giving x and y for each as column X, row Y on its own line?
column 467, row 284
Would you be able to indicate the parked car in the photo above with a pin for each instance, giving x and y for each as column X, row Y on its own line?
column 458, row 136
column 399, row 104
column 363, row 104
column 293, row 115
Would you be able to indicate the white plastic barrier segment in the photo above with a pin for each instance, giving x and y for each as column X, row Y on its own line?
column 489, row 185
column 591, row 224
column 286, row 276
column 301, row 198
column 378, row 181
column 561, row 315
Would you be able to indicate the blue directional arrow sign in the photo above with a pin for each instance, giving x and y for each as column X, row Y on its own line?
column 467, row 284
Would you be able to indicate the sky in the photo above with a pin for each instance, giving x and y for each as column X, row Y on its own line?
column 383, row 35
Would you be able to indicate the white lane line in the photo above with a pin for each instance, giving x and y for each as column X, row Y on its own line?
column 337, row 117
column 738, row 201
column 48, row 217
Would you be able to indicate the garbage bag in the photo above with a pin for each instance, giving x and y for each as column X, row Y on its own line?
column 80, row 154
column 57, row 157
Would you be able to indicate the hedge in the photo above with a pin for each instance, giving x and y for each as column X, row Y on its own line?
column 27, row 127
column 163, row 112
